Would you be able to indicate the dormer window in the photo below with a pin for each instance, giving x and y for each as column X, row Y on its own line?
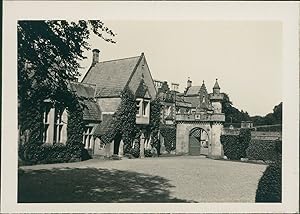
column 138, row 106
column 145, row 108
column 142, row 110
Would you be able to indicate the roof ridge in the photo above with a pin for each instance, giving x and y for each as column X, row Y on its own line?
column 118, row 59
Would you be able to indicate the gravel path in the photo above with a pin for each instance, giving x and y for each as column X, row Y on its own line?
column 165, row 179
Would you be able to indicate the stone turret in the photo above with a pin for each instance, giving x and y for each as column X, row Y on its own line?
column 216, row 88
column 216, row 98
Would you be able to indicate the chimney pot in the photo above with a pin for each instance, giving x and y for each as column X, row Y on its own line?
column 189, row 83
column 95, row 56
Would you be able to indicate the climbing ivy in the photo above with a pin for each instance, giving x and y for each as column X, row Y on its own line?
column 124, row 118
column 75, row 127
column 154, row 124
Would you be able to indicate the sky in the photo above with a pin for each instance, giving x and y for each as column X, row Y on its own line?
column 245, row 56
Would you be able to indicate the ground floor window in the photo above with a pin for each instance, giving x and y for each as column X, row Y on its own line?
column 88, row 137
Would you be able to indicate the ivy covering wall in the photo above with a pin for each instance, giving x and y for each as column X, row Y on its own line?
column 123, row 122
column 31, row 147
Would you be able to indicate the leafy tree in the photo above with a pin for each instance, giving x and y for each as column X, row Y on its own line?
column 48, row 57
column 269, row 119
column 232, row 114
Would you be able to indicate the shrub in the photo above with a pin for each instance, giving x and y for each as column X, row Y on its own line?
column 230, row 146
column 244, row 141
column 57, row 153
column 235, row 146
column 135, row 151
column 269, row 186
column 48, row 153
column 264, row 150
column 148, row 153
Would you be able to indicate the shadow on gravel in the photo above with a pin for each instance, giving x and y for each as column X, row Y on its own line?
column 82, row 185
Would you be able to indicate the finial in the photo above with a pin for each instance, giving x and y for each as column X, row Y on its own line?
column 188, row 78
column 203, row 81
column 216, row 79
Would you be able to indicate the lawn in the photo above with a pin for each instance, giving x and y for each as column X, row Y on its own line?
column 168, row 179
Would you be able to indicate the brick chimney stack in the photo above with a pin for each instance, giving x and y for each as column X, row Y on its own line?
column 95, row 56
column 189, row 83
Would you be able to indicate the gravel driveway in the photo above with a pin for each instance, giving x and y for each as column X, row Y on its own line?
column 164, row 179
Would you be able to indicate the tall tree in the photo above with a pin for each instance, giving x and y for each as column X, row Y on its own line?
column 232, row 114
column 273, row 118
column 49, row 53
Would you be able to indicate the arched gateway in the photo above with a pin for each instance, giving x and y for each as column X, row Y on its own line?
column 202, row 126
column 198, row 142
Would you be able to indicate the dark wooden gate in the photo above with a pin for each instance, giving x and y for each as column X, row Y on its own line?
column 194, row 142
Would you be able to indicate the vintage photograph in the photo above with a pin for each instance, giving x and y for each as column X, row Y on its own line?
column 150, row 107
column 130, row 111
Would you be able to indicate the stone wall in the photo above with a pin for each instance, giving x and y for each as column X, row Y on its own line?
column 183, row 132
column 216, row 146
column 101, row 149
column 109, row 105
column 257, row 135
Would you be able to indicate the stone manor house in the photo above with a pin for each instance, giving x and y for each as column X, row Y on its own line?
column 196, row 114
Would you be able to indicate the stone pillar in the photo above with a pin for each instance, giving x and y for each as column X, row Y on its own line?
column 121, row 149
column 50, row 130
column 142, row 146
column 92, row 144
column 182, row 139
column 107, row 149
column 64, row 128
column 216, row 146
column 112, row 145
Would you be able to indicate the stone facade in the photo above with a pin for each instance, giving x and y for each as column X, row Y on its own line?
column 207, row 116
column 110, row 78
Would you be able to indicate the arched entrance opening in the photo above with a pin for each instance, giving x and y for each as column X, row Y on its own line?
column 198, row 142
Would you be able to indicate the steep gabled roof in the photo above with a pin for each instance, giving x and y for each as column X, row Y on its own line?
column 85, row 92
column 110, row 77
column 204, row 102
column 193, row 90
column 142, row 90
column 104, row 126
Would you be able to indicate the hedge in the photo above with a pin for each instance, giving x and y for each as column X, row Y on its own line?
column 230, row 146
column 235, row 146
column 52, row 153
column 264, row 150
column 269, row 186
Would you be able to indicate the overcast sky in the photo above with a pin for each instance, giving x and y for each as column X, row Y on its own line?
column 245, row 56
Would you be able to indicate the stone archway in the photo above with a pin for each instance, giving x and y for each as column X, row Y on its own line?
column 213, row 129
column 198, row 142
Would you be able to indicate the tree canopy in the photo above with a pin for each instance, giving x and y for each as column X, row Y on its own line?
column 273, row 118
column 232, row 114
column 49, row 52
